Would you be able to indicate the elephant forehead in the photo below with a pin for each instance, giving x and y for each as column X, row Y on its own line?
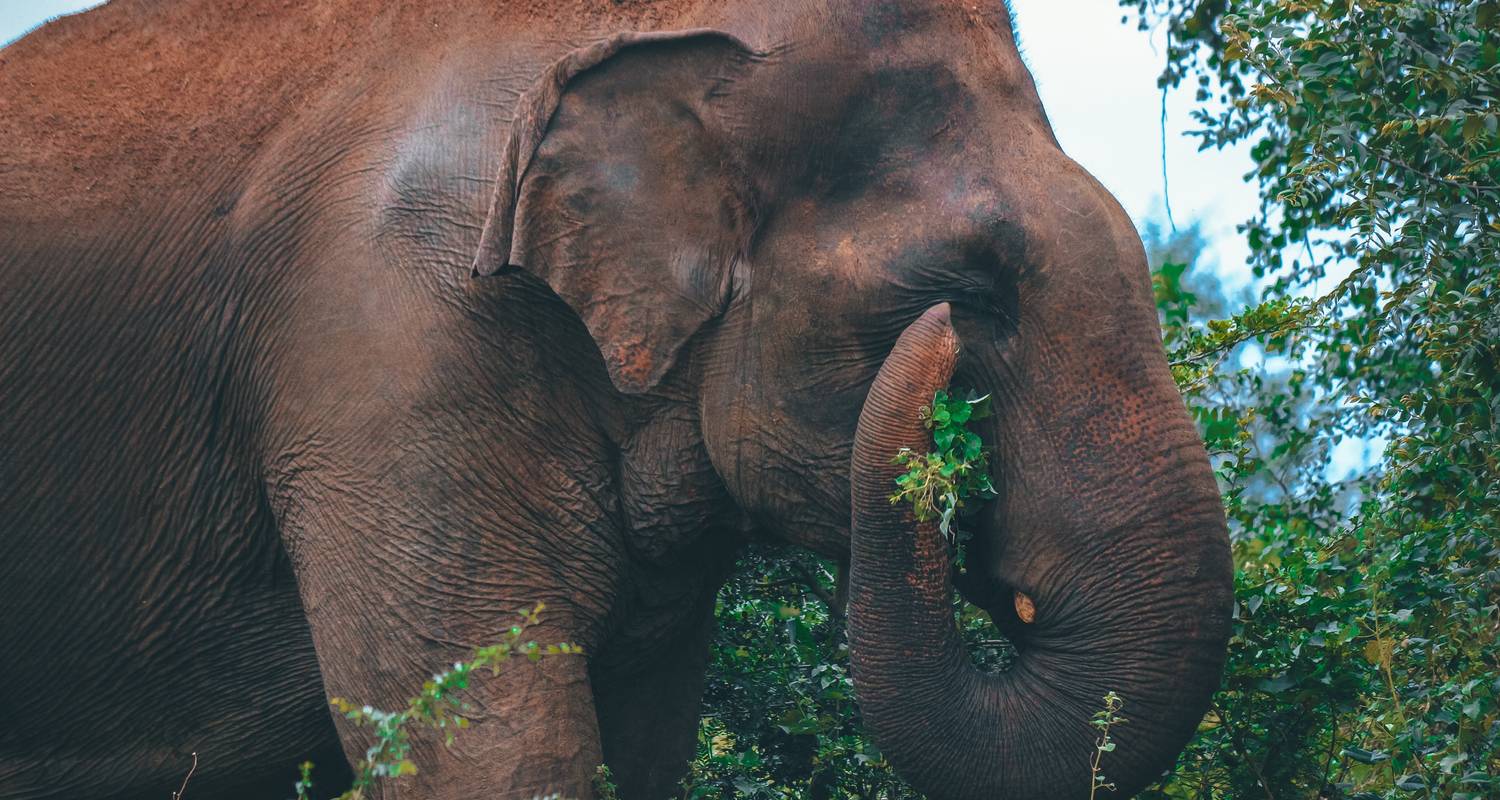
column 914, row 226
column 844, row 135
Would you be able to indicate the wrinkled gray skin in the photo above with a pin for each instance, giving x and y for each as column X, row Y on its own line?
column 497, row 307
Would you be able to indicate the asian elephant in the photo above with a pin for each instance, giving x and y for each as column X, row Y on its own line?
column 333, row 331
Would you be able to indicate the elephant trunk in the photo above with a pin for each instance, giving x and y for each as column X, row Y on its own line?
column 956, row 732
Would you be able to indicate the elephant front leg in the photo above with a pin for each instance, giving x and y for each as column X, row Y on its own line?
column 532, row 733
column 396, row 595
column 536, row 735
column 648, row 718
column 649, row 679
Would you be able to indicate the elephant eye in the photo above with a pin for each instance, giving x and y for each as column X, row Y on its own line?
column 978, row 299
column 980, row 278
column 968, row 285
column 988, row 289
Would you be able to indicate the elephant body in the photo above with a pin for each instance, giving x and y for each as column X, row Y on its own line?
column 266, row 438
column 227, row 372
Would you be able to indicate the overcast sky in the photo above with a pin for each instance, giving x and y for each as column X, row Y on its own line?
column 1098, row 80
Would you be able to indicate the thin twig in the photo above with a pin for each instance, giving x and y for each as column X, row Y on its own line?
column 1166, row 187
column 177, row 795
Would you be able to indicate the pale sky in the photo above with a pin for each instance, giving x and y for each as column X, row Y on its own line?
column 1097, row 78
column 20, row 16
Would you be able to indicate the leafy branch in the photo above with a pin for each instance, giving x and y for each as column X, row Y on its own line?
column 1103, row 721
column 437, row 707
column 939, row 483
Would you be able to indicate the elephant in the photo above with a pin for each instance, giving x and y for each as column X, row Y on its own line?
column 334, row 331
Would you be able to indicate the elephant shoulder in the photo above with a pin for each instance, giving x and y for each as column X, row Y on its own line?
column 443, row 146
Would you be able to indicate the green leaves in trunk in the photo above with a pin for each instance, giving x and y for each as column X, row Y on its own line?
column 956, row 472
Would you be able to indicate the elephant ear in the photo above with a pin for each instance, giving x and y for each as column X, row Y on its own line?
column 618, row 188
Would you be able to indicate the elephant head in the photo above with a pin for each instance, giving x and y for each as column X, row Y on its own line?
column 817, row 217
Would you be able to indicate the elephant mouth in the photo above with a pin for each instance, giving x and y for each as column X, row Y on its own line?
column 982, row 529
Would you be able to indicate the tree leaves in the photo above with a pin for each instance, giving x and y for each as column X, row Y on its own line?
column 1368, row 611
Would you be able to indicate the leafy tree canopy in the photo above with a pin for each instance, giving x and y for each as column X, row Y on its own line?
column 1365, row 657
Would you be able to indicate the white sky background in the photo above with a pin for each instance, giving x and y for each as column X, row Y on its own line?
column 1097, row 78
column 19, row 16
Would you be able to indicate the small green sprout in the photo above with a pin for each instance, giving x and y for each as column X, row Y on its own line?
column 1103, row 720
column 957, row 471
column 604, row 784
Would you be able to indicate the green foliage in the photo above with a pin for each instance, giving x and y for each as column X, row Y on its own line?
column 604, row 784
column 1317, row 698
column 304, row 785
column 436, row 707
column 1364, row 662
column 955, row 473
column 780, row 716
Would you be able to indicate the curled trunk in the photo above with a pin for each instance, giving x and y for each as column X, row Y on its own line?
column 956, row 732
